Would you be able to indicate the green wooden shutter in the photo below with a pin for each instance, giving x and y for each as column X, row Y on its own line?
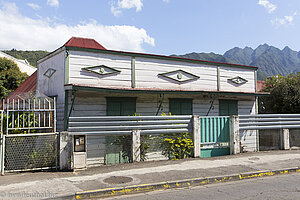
column 181, row 106
column 228, row 107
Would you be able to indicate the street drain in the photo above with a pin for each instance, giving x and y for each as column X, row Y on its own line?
column 117, row 180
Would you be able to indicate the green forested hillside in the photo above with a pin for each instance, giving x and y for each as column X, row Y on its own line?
column 30, row 56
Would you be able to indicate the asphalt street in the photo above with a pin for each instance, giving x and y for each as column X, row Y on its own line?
column 280, row 187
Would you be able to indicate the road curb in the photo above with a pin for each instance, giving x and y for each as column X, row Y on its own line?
column 109, row 192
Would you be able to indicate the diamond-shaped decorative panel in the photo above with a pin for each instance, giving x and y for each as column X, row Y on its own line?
column 238, row 80
column 101, row 69
column 49, row 73
column 179, row 76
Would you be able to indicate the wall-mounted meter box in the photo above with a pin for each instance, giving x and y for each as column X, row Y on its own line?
column 79, row 143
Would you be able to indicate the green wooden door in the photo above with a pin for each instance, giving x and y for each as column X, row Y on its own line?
column 117, row 106
column 181, row 106
column 228, row 107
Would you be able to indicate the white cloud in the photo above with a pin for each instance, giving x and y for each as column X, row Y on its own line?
column 25, row 33
column 116, row 7
column 54, row 3
column 166, row 1
column 269, row 6
column 34, row 6
column 286, row 20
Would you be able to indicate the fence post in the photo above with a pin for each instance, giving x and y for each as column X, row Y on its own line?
column 234, row 134
column 284, row 139
column 136, row 143
column 196, row 135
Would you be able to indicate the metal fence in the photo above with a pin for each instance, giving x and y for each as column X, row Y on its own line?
column 114, row 135
column 124, row 125
column 30, row 151
column 269, row 121
column 28, row 134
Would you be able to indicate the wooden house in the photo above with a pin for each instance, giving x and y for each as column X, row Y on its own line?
column 89, row 80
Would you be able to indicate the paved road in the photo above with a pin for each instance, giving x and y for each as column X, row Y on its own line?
column 277, row 187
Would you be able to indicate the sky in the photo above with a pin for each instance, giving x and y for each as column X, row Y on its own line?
column 152, row 26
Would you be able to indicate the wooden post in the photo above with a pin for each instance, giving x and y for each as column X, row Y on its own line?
column 196, row 135
column 136, row 143
column 234, row 134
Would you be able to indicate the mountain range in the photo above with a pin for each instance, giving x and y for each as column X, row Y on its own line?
column 270, row 60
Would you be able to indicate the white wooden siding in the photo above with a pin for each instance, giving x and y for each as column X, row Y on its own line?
column 229, row 73
column 147, row 71
column 79, row 60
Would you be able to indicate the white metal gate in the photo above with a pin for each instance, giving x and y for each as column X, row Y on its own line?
column 28, row 134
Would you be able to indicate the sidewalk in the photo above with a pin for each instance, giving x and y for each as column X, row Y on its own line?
column 58, row 184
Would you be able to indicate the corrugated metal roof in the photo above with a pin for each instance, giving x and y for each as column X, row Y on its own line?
column 83, row 43
column 29, row 85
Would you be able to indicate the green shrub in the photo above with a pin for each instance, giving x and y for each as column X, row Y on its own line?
column 177, row 146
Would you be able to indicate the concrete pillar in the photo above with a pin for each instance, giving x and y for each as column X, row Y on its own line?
column 284, row 139
column 136, row 144
column 234, row 135
column 65, row 151
column 196, row 135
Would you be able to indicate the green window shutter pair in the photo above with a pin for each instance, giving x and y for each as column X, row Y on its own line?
column 118, row 106
column 181, row 106
column 228, row 107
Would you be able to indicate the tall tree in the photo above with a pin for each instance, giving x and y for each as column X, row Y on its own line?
column 284, row 94
column 10, row 77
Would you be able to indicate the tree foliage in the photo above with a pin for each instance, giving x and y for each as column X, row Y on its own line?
column 31, row 56
column 284, row 94
column 10, row 77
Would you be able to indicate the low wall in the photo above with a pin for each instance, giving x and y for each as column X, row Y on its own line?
column 295, row 138
column 269, row 139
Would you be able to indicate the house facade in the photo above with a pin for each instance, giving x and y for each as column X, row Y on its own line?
column 89, row 80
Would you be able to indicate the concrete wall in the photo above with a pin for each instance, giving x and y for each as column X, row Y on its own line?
column 271, row 139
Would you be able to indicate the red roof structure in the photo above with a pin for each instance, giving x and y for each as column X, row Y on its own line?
column 29, row 85
column 260, row 85
column 83, row 43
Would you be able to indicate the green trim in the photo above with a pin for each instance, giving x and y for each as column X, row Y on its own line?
column 67, row 66
column 89, row 69
column 180, row 72
column 108, row 90
column 152, row 56
column 133, row 72
column 218, row 79
column 255, row 79
column 66, row 110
